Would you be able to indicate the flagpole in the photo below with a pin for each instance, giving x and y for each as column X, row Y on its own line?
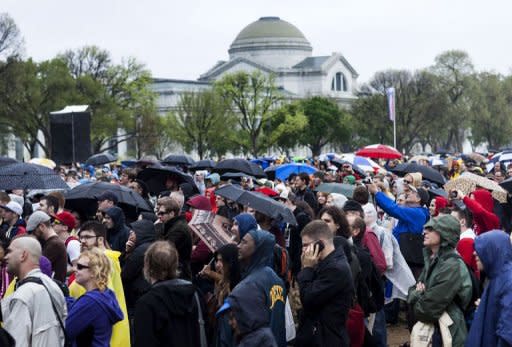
column 394, row 132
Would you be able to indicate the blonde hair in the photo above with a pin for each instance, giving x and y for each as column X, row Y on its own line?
column 99, row 266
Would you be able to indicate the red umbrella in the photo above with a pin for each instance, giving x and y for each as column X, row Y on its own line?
column 379, row 151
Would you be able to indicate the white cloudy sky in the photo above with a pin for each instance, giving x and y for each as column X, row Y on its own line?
column 182, row 39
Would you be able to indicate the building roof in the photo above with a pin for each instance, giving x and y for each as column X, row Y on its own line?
column 311, row 63
column 270, row 27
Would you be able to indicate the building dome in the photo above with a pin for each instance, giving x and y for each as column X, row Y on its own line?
column 271, row 41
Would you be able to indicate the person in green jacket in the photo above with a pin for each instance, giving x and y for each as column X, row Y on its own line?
column 445, row 283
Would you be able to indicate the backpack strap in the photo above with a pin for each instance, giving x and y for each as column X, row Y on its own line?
column 37, row 280
column 202, row 332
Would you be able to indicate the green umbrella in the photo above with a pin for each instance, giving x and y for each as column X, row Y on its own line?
column 340, row 188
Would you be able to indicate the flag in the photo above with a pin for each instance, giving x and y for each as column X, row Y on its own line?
column 390, row 92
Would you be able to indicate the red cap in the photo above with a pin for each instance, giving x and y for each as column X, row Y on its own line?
column 67, row 219
column 200, row 202
column 267, row 191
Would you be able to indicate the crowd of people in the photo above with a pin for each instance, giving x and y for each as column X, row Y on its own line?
column 395, row 249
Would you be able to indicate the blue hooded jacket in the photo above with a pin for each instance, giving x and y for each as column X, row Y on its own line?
column 492, row 324
column 259, row 274
column 410, row 219
column 246, row 222
column 91, row 317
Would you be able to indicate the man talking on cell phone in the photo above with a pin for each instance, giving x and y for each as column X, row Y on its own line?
column 326, row 289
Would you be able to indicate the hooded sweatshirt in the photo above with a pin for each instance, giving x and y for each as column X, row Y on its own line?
column 118, row 235
column 167, row 315
column 258, row 272
column 91, row 318
column 134, row 283
column 492, row 323
column 252, row 317
column 482, row 207
column 246, row 222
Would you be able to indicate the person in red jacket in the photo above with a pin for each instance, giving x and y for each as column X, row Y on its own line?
column 480, row 203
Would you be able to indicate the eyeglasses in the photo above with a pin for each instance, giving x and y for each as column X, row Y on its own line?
column 86, row 237
column 161, row 213
column 82, row 266
column 407, row 182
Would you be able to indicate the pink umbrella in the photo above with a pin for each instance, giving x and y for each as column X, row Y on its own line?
column 379, row 151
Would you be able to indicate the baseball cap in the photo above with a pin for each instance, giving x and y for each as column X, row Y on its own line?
column 444, row 223
column 67, row 219
column 13, row 206
column 108, row 195
column 35, row 219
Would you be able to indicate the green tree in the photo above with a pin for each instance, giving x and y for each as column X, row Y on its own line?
column 286, row 127
column 454, row 70
column 202, row 122
column 11, row 41
column 491, row 110
column 32, row 91
column 253, row 98
column 326, row 124
column 118, row 94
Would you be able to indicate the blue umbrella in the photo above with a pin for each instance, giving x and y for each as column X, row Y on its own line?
column 282, row 172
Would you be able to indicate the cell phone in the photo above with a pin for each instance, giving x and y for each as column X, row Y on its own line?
column 320, row 245
column 453, row 194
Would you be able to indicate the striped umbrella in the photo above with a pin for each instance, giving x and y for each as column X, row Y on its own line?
column 363, row 163
column 504, row 158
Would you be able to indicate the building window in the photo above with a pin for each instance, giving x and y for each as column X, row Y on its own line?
column 339, row 82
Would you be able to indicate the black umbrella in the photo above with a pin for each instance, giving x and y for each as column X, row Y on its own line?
column 7, row 161
column 83, row 199
column 428, row 173
column 340, row 162
column 259, row 202
column 235, row 175
column 202, row 165
column 100, row 159
column 239, row 165
column 29, row 176
column 507, row 184
column 178, row 159
column 156, row 176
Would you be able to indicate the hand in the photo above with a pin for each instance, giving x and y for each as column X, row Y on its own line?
column 129, row 246
column 310, row 256
column 420, row 287
column 372, row 188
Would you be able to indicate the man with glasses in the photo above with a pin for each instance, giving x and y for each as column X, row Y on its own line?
column 326, row 289
column 92, row 235
column 173, row 227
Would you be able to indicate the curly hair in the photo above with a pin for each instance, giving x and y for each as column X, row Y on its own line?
column 99, row 266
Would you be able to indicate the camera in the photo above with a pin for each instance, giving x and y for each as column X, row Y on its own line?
column 367, row 180
column 453, row 194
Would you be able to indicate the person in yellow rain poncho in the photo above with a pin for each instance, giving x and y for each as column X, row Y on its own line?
column 93, row 234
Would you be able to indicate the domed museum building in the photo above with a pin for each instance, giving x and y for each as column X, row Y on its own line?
column 273, row 46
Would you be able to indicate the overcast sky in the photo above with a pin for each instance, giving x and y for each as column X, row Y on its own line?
column 183, row 39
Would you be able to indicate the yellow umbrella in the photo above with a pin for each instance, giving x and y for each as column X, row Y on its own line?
column 43, row 162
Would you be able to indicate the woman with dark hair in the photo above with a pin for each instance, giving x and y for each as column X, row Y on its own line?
column 225, row 276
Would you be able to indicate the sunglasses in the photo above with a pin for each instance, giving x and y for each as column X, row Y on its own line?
column 82, row 266
column 161, row 213
column 56, row 222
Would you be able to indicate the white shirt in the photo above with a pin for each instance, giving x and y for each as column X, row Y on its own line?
column 468, row 234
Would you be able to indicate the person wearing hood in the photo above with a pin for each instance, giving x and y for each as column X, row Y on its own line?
column 117, row 231
column 492, row 323
column 173, row 227
column 481, row 205
column 248, row 317
column 170, row 313
column 445, row 284
column 91, row 317
column 242, row 223
column 256, row 255
column 142, row 234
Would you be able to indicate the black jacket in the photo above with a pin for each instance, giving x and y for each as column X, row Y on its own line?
column 134, row 283
column 118, row 235
column 167, row 316
column 326, row 293
column 177, row 231
column 308, row 196
column 295, row 245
